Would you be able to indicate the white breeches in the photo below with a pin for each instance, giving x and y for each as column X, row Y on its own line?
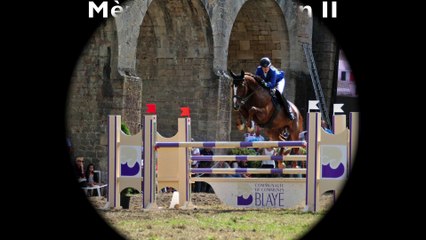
column 281, row 85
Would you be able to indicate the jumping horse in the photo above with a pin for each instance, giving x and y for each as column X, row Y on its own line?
column 255, row 103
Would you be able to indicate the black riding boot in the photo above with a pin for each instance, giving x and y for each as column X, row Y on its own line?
column 287, row 108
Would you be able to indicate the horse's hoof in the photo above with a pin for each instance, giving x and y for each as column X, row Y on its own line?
column 250, row 129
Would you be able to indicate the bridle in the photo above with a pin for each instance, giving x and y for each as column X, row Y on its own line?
column 242, row 100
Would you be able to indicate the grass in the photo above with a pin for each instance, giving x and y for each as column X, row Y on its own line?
column 211, row 223
column 210, row 220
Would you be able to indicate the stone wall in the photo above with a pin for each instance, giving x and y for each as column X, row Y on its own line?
column 95, row 91
column 177, row 53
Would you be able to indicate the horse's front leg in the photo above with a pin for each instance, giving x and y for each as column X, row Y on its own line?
column 259, row 112
column 238, row 120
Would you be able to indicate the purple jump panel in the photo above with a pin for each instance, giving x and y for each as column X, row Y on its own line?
column 201, row 170
column 291, row 144
column 202, row 158
column 246, row 144
column 240, row 170
column 168, row 144
column 209, row 144
column 241, row 158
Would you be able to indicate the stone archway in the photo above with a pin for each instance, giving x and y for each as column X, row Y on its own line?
column 259, row 30
column 174, row 61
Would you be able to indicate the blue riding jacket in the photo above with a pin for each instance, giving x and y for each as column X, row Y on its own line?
column 272, row 77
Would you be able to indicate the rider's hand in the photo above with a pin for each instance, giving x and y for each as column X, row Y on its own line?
column 264, row 83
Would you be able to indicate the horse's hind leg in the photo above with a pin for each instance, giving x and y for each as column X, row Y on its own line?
column 283, row 152
column 294, row 136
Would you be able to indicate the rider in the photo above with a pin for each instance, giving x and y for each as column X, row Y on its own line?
column 273, row 78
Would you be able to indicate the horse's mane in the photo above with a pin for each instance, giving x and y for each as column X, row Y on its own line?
column 256, row 77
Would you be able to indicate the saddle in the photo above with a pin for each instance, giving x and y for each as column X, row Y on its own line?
column 277, row 98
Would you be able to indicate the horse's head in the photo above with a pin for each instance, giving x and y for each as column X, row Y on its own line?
column 240, row 88
column 237, row 80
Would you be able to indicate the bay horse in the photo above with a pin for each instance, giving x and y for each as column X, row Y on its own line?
column 255, row 103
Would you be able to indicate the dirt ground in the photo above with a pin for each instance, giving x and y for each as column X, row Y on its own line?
column 200, row 200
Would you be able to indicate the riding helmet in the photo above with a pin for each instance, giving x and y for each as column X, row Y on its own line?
column 265, row 62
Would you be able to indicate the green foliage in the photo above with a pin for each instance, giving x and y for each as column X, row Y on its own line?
column 302, row 151
column 124, row 128
column 242, row 151
column 131, row 191
column 246, row 151
column 254, row 164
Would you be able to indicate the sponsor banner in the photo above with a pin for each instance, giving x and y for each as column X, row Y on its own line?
column 261, row 194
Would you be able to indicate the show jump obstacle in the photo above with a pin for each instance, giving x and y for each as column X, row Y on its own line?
column 166, row 163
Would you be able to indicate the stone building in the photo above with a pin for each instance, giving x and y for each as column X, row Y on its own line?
column 177, row 53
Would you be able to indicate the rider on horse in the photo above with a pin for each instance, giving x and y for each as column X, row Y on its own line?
column 273, row 79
